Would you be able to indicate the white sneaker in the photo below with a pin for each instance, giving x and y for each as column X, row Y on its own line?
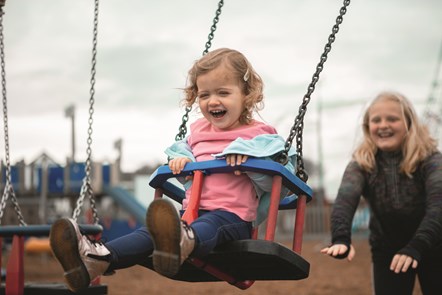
column 173, row 239
column 82, row 259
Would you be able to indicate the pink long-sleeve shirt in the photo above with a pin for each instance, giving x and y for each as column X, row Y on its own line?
column 229, row 192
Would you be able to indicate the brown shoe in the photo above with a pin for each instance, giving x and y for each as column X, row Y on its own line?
column 82, row 259
column 173, row 239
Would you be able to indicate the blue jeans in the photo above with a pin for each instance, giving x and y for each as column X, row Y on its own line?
column 211, row 228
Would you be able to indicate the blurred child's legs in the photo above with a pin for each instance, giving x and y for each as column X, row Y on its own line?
column 429, row 272
column 216, row 227
column 211, row 229
column 131, row 249
column 83, row 259
column 386, row 282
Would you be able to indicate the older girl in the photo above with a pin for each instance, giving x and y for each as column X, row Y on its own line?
column 398, row 170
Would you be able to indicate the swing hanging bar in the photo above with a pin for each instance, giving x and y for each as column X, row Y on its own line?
column 86, row 188
column 9, row 189
column 298, row 126
column 183, row 129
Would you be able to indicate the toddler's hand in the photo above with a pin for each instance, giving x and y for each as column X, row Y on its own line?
column 236, row 159
column 177, row 164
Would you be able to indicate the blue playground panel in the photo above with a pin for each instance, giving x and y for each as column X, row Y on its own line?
column 15, row 177
column 106, row 170
column 55, row 179
column 76, row 176
column 56, row 175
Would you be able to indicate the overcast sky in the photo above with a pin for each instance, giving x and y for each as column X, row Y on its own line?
column 145, row 49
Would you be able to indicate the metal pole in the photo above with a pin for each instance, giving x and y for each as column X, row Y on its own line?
column 70, row 113
column 321, row 185
column 42, row 211
column 118, row 145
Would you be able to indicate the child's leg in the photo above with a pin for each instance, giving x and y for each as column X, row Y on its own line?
column 131, row 249
column 430, row 273
column 387, row 282
column 173, row 239
column 83, row 259
column 216, row 227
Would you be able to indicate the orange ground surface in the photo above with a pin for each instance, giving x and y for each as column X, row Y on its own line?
column 327, row 276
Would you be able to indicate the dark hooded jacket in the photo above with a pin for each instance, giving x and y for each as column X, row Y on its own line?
column 405, row 213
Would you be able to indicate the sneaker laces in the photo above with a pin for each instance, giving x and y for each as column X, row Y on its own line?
column 188, row 230
column 101, row 242
column 97, row 244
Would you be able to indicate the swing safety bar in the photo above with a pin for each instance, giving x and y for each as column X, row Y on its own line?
column 160, row 177
column 249, row 252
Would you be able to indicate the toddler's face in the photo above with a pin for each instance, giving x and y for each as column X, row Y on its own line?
column 220, row 98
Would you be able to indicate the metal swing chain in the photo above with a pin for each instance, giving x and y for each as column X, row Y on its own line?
column 298, row 126
column 9, row 189
column 86, row 188
column 183, row 129
column 213, row 27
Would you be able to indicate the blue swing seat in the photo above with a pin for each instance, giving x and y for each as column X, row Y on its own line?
column 245, row 260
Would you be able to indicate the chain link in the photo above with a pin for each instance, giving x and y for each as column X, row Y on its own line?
column 9, row 189
column 213, row 27
column 86, row 188
column 182, row 130
column 183, row 127
column 298, row 126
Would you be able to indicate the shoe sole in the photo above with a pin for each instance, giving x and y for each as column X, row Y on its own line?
column 64, row 243
column 164, row 226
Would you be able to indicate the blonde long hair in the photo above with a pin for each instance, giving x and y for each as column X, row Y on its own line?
column 242, row 70
column 418, row 143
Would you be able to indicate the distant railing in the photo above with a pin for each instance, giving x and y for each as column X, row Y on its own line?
column 317, row 220
column 58, row 179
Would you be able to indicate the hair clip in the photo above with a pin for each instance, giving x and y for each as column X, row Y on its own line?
column 246, row 75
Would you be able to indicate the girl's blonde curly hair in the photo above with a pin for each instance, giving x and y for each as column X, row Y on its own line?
column 242, row 70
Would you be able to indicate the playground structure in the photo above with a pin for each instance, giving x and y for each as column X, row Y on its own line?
column 43, row 183
column 47, row 191
column 53, row 189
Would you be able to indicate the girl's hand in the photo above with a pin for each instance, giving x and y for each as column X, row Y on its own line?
column 177, row 164
column 402, row 262
column 234, row 160
column 339, row 249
